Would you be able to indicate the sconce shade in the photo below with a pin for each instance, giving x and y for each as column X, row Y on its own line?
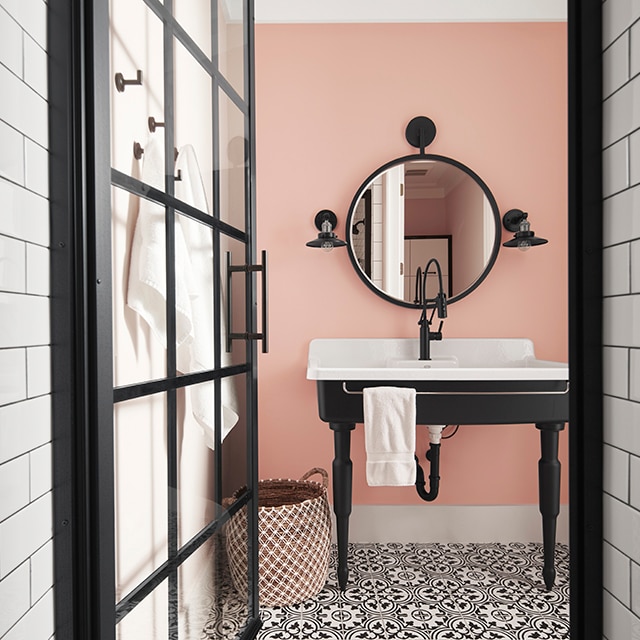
column 325, row 222
column 516, row 221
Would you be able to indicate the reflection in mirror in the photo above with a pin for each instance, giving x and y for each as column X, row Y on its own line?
column 421, row 207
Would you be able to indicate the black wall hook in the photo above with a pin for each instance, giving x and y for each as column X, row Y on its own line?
column 154, row 124
column 137, row 150
column 121, row 83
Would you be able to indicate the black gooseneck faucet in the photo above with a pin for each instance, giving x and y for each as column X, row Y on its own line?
column 426, row 335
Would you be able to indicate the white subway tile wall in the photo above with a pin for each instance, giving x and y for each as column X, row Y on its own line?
column 635, row 589
column 616, row 475
column 621, row 285
column 617, row 578
column 616, row 371
column 26, row 546
column 616, row 167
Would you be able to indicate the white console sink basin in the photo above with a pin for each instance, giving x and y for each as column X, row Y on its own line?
column 452, row 359
column 469, row 381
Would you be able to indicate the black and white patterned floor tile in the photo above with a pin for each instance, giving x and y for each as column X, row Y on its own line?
column 433, row 591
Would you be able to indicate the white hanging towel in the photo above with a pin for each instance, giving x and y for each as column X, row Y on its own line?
column 390, row 435
column 199, row 354
column 146, row 291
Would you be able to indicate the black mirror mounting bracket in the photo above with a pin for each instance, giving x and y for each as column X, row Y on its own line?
column 420, row 132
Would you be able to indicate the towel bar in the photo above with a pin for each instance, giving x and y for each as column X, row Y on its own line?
column 348, row 391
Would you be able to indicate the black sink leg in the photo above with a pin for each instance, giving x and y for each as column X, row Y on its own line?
column 549, row 488
column 342, row 480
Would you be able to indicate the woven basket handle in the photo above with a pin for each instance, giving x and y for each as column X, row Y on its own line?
column 318, row 470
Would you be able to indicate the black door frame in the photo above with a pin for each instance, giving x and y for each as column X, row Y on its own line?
column 79, row 611
column 83, row 394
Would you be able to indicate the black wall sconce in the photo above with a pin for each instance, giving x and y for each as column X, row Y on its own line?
column 516, row 221
column 326, row 222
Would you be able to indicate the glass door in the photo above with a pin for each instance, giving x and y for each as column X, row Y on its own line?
column 177, row 398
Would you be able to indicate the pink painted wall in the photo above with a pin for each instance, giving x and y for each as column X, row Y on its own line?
column 425, row 216
column 468, row 253
column 332, row 105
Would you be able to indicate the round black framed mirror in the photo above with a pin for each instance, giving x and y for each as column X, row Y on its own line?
column 417, row 207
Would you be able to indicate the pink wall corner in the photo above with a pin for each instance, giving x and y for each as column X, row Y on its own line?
column 332, row 103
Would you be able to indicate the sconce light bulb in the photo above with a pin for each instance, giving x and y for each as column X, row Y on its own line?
column 327, row 246
column 524, row 245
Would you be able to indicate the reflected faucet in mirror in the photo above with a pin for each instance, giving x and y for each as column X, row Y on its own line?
column 426, row 335
column 417, row 299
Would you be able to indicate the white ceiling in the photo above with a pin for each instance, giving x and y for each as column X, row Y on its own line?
column 299, row 11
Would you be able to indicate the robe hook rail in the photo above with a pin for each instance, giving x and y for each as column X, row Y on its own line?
column 121, row 82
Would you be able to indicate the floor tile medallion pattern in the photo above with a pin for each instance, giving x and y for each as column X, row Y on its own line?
column 432, row 591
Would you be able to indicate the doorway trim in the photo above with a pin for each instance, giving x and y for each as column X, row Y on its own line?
column 77, row 562
column 585, row 316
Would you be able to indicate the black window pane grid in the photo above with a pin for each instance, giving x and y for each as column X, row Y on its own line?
column 166, row 576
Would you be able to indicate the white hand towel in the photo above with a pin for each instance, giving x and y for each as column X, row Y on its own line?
column 199, row 354
column 390, row 435
column 147, row 290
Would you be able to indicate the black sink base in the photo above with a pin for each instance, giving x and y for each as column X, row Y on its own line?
column 549, row 491
column 548, row 480
column 546, row 405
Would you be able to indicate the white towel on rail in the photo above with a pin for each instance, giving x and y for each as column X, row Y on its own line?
column 390, row 435
column 146, row 290
column 198, row 355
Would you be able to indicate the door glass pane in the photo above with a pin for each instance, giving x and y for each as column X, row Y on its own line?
column 139, row 312
column 194, row 293
column 234, row 446
column 193, row 125
column 149, row 620
column 140, row 469
column 232, row 49
column 197, row 476
column 233, row 302
column 209, row 605
column 233, row 163
column 136, row 45
column 196, row 463
column 194, row 17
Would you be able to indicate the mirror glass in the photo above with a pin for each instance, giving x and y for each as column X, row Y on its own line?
column 416, row 208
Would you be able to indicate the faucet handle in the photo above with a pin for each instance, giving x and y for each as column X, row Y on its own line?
column 436, row 335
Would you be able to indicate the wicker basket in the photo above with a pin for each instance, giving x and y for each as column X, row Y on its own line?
column 294, row 538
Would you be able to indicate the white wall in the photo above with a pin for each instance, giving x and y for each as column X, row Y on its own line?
column 26, row 548
column 621, row 140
